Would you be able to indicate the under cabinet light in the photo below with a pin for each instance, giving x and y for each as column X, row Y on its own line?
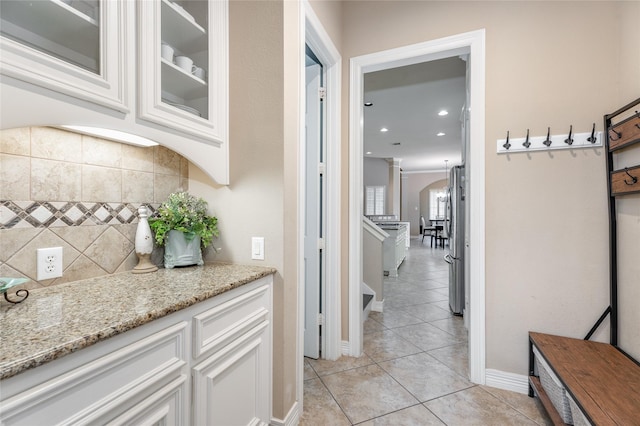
column 441, row 134
column 443, row 112
column 384, row 129
column 114, row 135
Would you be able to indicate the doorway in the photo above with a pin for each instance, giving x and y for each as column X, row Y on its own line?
column 469, row 43
column 315, row 200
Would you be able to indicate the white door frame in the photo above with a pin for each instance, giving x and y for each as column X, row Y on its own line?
column 320, row 42
column 473, row 43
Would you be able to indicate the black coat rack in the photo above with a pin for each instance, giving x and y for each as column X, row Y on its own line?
column 618, row 136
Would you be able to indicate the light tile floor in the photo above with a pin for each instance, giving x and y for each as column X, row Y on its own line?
column 415, row 365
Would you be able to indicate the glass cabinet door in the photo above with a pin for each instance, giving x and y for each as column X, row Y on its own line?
column 183, row 66
column 184, row 56
column 70, row 46
column 66, row 29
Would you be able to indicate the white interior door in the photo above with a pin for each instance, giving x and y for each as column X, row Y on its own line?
column 314, row 205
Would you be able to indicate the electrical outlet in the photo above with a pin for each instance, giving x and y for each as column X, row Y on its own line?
column 49, row 263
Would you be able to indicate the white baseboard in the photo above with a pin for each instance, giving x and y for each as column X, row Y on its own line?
column 346, row 348
column 507, row 381
column 292, row 418
column 377, row 306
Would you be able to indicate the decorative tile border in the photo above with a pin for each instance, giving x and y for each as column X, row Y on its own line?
column 48, row 214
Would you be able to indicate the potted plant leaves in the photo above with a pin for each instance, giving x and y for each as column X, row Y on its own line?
column 183, row 227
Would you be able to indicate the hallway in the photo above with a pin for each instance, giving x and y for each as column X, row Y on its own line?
column 414, row 367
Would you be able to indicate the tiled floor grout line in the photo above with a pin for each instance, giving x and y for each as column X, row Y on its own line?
column 447, row 355
column 333, row 396
column 426, row 352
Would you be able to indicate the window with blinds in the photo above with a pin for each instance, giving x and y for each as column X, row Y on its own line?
column 374, row 200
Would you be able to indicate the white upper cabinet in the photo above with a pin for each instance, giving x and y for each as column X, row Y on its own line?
column 73, row 47
column 182, row 73
column 99, row 63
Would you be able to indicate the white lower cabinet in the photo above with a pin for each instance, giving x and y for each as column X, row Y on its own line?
column 229, row 386
column 232, row 377
column 394, row 250
column 209, row 364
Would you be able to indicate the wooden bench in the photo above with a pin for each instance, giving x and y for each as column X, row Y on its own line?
column 603, row 381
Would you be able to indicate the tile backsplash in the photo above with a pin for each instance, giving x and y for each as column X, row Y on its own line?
column 59, row 188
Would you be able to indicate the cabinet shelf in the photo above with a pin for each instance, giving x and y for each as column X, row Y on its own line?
column 53, row 20
column 181, row 83
column 181, row 32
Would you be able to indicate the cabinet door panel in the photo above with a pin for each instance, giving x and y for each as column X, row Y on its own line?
column 166, row 407
column 230, row 386
column 226, row 322
column 102, row 386
column 170, row 95
column 78, row 51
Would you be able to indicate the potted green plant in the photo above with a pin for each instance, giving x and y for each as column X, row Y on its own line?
column 183, row 226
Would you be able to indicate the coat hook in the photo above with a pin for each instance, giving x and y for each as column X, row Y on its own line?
column 619, row 134
column 593, row 137
column 507, row 145
column 547, row 142
column 634, row 179
column 526, row 142
column 569, row 140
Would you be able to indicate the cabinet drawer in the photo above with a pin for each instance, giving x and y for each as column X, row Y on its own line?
column 101, row 387
column 165, row 407
column 220, row 325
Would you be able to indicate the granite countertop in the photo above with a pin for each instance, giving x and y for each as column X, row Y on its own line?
column 62, row 319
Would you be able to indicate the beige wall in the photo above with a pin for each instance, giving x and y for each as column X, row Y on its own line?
column 425, row 201
column 411, row 193
column 546, row 217
column 262, row 195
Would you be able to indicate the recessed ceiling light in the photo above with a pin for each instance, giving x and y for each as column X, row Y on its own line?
column 384, row 129
column 441, row 134
column 443, row 112
column 368, row 104
column 369, row 153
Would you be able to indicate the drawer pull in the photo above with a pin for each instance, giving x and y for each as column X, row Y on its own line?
column 634, row 179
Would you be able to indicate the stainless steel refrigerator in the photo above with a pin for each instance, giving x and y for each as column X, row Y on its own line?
column 454, row 231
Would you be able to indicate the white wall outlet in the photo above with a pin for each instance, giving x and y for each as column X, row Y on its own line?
column 257, row 248
column 49, row 263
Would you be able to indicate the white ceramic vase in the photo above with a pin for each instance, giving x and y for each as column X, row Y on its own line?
column 180, row 252
column 144, row 244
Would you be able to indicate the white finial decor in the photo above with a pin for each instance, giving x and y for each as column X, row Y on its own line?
column 144, row 244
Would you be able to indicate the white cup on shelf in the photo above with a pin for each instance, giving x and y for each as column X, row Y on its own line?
column 185, row 62
column 166, row 51
column 199, row 72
